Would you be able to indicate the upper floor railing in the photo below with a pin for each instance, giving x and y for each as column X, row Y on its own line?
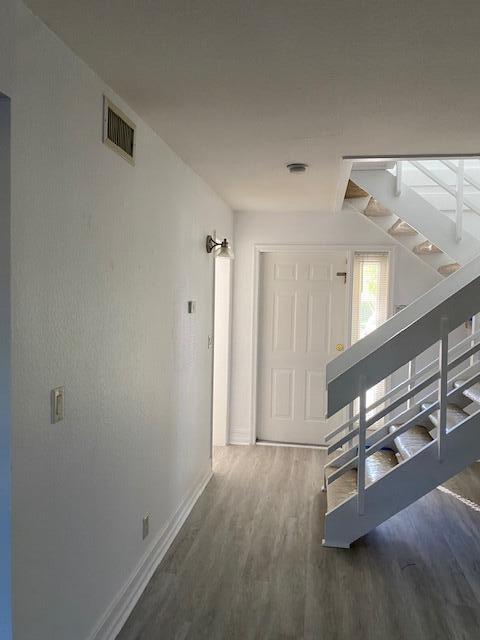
column 456, row 178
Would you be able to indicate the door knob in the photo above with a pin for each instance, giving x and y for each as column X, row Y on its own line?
column 339, row 347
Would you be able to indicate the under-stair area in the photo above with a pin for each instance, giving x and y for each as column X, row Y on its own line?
column 426, row 428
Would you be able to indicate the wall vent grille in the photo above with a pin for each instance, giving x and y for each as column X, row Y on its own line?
column 118, row 131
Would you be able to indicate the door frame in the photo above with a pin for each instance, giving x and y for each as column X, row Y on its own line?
column 349, row 249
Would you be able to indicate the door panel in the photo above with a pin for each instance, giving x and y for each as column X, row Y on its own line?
column 314, row 395
column 302, row 318
column 283, row 384
column 318, row 320
column 284, row 318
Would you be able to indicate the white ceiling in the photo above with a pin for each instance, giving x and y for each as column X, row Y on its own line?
column 239, row 88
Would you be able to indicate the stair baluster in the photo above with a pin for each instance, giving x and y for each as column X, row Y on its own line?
column 442, row 387
column 460, row 201
column 362, row 431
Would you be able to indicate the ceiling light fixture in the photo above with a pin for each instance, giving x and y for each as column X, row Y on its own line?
column 297, row 167
column 219, row 249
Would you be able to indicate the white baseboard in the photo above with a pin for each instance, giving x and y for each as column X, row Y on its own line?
column 239, row 435
column 116, row 615
column 269, row 443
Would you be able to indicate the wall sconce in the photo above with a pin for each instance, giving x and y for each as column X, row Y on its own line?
column 225, row 250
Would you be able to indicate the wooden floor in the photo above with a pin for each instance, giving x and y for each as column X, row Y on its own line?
column 249, row 562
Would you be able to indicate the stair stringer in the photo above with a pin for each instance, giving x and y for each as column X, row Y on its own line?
column 418, row 213
column 404, row 484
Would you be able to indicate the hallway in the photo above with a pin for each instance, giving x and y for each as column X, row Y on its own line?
column 249, row 562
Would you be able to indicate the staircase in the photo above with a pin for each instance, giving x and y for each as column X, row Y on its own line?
column 425, row 429
column 400, row 204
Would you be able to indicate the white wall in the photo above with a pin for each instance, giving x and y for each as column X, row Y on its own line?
column 347, row 228
column 6, row 14
column 221, row 360
column 104, row 260
column 5, row 372
column 6, row 46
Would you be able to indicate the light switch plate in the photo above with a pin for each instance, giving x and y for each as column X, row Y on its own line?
column 192, row 306
column 58, row 404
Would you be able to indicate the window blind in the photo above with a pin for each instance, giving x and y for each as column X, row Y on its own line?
column 370, row 293
column 370, row 303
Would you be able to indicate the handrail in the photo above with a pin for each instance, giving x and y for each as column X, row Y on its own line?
column 460, row 201
column 418, row 374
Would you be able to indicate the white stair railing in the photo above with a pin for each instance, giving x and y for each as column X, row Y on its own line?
column 365, row 444
column 460, row 201
column 403, row 336
column 456, row 190
column 413, row 377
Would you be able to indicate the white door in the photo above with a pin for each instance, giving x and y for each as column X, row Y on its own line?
column 302, row 325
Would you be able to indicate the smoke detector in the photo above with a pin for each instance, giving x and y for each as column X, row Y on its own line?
column 297, row 167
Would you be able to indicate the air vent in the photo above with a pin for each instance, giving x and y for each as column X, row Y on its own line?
column 118, row 131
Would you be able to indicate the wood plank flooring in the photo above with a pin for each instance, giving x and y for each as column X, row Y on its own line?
column 249, row 563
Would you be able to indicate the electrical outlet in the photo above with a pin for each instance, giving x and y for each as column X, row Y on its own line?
column 58, row 404
column 145, row 526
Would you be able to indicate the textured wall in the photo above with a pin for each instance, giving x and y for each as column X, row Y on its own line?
column 105, row 258
column 5, row 371
column 7, row 8
column 221, row 362
column 6, row 73
column 346, row 228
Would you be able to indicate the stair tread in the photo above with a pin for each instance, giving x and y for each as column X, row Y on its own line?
column 426, row 248
column 374, row 209
column 354, row 191
column 378, row 464
column 402, row 228
column 410, row 442
column 341, row 489
column 472, row 393
column 448, row 269
column 454, row 415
